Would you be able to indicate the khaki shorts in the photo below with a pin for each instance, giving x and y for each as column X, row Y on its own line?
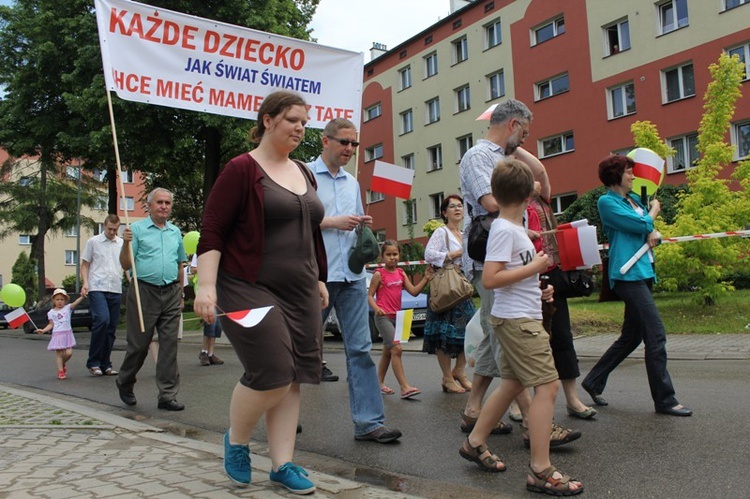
column 525, row 353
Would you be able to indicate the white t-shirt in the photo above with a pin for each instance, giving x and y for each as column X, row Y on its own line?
column 105, row 271
column 508, row 243
column 60, row 318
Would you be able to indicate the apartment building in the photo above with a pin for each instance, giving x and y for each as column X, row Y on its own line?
column 587, row 69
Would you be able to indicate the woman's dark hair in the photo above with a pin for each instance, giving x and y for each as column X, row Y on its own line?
column 612, row 167
column 273, row 105
column 446, row 202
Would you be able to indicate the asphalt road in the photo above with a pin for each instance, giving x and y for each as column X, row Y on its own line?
column 628, row 451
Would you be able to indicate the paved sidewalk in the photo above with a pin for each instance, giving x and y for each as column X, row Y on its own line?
column 53, row 448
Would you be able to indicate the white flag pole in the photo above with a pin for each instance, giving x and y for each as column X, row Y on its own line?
column 134, row 280
column 638, row 254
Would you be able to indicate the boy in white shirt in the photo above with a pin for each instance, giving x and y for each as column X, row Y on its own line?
column 512, row 269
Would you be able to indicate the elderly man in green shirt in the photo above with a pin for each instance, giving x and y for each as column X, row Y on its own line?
column 159, row 257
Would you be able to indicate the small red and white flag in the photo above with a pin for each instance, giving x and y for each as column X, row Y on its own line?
column 249, row 318
column 487, row 114
column 392, row 180
column 578, row 246
column 648, row 165
column 17, row 318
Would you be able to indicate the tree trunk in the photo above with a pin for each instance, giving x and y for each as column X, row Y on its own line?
column 112, row 197
column 43, row 228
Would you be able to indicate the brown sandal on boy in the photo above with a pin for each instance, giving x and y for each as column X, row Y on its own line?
column 546, row 482
column 474, row 454
column 468, row 423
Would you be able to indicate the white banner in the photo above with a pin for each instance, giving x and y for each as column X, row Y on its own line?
column 162, row 57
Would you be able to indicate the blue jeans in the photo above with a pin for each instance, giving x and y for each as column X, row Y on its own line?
column 642, row 323
column 105, row 312
column 365, row 399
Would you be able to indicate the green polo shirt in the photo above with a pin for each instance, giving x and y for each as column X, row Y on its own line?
column 158, row 252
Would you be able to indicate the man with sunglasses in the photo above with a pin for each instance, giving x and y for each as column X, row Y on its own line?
column 340, row 193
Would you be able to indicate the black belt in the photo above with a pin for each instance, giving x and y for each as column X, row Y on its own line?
column 156, row 286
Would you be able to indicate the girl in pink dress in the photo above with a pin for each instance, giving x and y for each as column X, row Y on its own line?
column 62, row 341
column 387, row 283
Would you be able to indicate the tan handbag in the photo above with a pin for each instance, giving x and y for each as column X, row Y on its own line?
column 448, row 286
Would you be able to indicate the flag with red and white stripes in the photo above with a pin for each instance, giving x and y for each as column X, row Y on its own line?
column 578, row 246
column 392, row 180
column 17, row 318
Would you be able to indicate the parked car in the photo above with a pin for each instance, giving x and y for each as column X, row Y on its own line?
column 418, row 303
column 4, row 309
column 81, row 316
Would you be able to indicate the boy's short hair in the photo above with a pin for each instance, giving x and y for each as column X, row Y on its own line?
column 512, row 182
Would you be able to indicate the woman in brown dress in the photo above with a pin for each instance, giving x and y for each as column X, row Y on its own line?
column 261, row 246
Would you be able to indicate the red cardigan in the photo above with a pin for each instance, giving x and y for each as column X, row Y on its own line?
column 233, row 221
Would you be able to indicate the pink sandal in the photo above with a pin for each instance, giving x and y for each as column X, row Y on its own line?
column 386, row 390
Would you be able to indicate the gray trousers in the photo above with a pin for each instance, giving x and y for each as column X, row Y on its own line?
column 161, row 311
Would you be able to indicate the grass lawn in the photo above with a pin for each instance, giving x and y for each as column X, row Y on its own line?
column 679, row 312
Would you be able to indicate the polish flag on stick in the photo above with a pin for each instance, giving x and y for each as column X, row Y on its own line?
column 578, row 246
column 392, row 180
column 487, row 114
column 403, row 325
column 17, row 318
column 249, row 318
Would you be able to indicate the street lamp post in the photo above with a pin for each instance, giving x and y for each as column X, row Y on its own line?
column 78, row 231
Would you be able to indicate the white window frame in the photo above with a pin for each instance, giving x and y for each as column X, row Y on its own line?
column 71, row 232
column 682, row 145
column 727, row 6
column 430, row 65
column 495, row 84
column 680, row 82
column 404, row 78
column 463, row 144
column 564, row 146
column 741, row 143
column 618, row 95
column 435, row 158
column 743, row 51
column 374, row 196
column 550, row 84
column 374, row 152
column 24, row 239
column 493, row 34
column 413, row 211
column 667, row 15
column 129, row 202
column 557, row 202
column 101, row 203
column 407, row 121
column 435, row 201
column 462, row 98
column 460, row 50
column 72, row 172
column 407, row 160
column 128, row 176
column 558, row 28
column 373, row 112
column 618, row 31
column 432, row 114
column 71, row 257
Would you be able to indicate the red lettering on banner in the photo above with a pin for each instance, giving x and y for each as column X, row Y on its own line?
column 156, row 30
column 180, row 91
column 246, row 102
column 132, row 82
column 251, row 48
column 328, row 113
column 171, row 33
column 188, row 36
column 266, row 47
column 211, row 41
column 156, row 23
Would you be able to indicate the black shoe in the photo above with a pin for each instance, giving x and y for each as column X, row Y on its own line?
column 328, row 375
column 382, row 435
column 171, row 405
column 596, row 397
column 125, row 395
column 674, row 411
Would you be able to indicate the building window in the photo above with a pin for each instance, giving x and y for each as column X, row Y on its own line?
column 101, row 203
column 560, row 203
column 128, row 176
column 404, row 78
column 373, row 112
column 71, row 231
column 460, row 50
column 672, row 15
column 410, row 208
column 71, row 257
column 616, row 37
column 495, row 85
column 24, row 239
column 679, row 83
column 100, row 175
column 553, row 86
column 374, row 152
column 128, row 205
column 558, row 144
column 430, row 65
column 25, row 181
column 463, row 144
column 548, row 30
column 433, row 110
column 435, row 201
column 743, row 52
column 407, row 121
column 686, row 154
column 463, row 98
column 741, row 136
column 408, row 161
column 621, row 100
column 730, row 4
column 72, row 172
column 374, row 196
column 380, row 235
column 434, row 158
column 493, row 35
column 100, row 229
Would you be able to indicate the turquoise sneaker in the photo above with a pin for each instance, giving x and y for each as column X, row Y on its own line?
column 293, row 478
column 237, row 462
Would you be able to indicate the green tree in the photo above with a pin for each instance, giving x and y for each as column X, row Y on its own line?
column 710, row 205
column 23, row 273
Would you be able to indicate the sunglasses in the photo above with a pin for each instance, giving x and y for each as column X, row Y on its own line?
column 344, row 142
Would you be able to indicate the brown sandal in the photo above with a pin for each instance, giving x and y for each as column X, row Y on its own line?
column 468, row 423
column 487, row 463
column 545, row 482
column 450, row 386
column 463, row 380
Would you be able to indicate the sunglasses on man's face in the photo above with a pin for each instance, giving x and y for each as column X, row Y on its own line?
column 344, row 142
